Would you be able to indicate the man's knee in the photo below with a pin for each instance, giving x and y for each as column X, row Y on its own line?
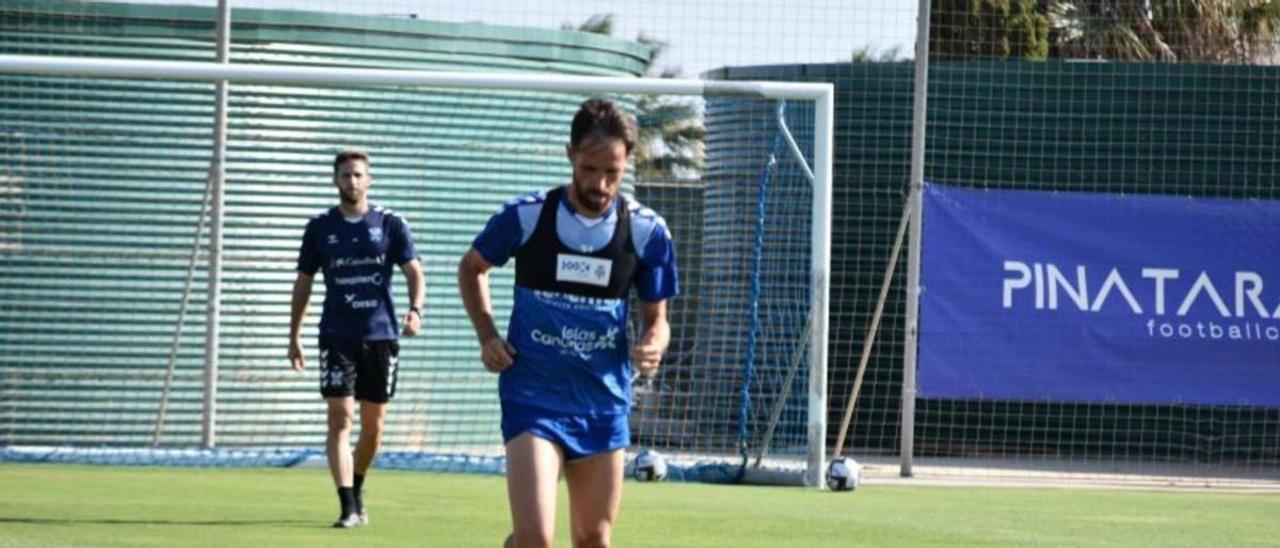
column 371, row 421
column 373, row 431
column 595, row 537
column 339, row 421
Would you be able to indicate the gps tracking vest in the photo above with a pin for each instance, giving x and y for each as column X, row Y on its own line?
column 568, row 322
column 544, row 263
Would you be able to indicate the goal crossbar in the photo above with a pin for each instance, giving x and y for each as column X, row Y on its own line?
column 310, row 75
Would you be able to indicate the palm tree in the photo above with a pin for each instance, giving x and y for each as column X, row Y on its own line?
column 670, row 144
column 1196, row 31
column 1226, row 31
column 1208, row 31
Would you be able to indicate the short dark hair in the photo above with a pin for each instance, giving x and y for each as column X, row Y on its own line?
column 601, row 118
column 348, row 155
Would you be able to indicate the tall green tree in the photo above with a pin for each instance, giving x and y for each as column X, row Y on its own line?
column 670, row 144
column 988, row 29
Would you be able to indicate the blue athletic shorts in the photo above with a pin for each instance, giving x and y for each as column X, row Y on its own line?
column 577, row 435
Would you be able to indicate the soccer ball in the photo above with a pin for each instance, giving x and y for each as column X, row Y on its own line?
column 842, row 474
column 650, row 466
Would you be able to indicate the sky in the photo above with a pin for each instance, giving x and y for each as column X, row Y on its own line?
column 701, row 34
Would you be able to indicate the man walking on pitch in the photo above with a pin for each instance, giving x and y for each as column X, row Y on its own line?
column 355, row 244
column 565, row 382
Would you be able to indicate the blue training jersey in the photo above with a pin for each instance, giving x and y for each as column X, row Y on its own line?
column 572, row 354
column 357, row 258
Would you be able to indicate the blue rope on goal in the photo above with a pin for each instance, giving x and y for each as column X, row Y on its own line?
column 749, row 367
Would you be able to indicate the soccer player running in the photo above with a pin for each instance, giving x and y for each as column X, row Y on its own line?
column 355, row 244
column 565, row 373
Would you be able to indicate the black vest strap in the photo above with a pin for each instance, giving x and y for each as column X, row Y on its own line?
column 537, row 259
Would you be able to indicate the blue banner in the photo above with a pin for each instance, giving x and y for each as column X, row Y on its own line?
column 1080, row 297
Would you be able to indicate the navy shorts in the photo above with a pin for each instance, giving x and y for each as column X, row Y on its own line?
column 578, row 436
column 364, row 369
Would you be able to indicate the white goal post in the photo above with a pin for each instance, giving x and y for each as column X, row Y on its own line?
column 820, row 94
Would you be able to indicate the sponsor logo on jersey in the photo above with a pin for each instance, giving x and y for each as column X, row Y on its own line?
column 584, row 270
column 362, row 304
column 575, row 340
column 371, row 260
column 368, row 279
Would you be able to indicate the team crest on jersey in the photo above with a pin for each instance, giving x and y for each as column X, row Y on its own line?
column 375, row 234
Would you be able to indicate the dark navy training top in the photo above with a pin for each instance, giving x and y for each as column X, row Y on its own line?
column 357, row 259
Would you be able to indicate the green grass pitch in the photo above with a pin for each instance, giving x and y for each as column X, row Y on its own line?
column 67, row 505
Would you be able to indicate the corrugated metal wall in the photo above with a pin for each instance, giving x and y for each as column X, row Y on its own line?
column 102, row 185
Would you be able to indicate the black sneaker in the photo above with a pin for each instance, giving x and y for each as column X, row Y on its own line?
column 348, row 521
